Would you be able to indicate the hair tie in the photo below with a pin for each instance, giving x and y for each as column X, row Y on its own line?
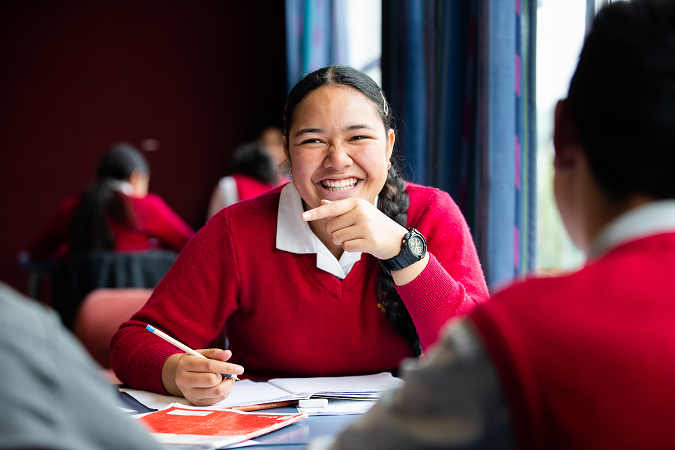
column 385, row 106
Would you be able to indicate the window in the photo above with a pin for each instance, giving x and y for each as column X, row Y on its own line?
column 561, row 27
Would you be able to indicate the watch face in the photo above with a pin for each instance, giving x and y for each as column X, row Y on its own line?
column 416, row 246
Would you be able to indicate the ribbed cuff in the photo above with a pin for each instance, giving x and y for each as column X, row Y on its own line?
column 425, row 295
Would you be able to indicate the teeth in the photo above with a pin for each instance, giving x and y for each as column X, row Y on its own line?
column 339, row 185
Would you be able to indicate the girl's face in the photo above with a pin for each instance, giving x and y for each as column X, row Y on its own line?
column 338, row 147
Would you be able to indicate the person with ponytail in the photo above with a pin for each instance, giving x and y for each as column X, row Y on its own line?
column 345, row 270
column 115, row 212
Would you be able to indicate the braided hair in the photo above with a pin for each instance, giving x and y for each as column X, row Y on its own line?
column 392, row 199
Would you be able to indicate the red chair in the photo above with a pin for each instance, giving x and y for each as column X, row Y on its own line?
column 101, row 314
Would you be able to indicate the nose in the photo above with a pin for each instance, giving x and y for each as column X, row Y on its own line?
column 337, row 158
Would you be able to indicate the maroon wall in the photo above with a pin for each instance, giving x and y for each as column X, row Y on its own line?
column 76, row 76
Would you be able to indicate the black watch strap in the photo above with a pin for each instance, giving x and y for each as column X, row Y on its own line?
column 407, row 257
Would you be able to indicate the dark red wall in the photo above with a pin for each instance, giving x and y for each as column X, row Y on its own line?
column 76, row 76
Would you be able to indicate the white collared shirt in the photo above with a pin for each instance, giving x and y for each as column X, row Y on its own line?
column 294, row 235
column 653, row 218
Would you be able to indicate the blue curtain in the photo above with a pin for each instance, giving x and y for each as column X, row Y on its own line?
column 460, row 77
column 316, row 35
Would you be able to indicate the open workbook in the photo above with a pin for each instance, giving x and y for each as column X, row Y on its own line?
column 246, row 392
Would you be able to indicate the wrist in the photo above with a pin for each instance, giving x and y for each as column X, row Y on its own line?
column 169, row 375
column 413, row 249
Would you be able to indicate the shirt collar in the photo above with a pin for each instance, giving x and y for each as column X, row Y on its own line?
column 653, row 218
column 295, row 236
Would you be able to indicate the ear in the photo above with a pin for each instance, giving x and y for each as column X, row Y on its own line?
column 565, row 136
column 391, row 135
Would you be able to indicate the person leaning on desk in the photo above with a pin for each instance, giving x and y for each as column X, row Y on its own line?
column 296, row 275
column 583, row 361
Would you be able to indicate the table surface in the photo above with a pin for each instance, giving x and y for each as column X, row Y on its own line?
column 296, row 436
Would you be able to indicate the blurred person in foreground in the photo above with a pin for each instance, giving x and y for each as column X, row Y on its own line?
column 51, row 394
column 584, row 360
column 115, row 212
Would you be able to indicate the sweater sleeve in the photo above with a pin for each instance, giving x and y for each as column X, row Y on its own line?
column 191, row 303
column 452, row 284
column 159, row 221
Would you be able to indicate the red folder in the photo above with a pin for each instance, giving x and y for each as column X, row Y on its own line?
column 176, row 425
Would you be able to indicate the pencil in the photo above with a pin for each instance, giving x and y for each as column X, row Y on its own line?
column 302, row 403
column 265, row 406
column 183, row 347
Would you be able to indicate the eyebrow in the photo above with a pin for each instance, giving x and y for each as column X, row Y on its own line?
column 321, row 130
column 359, row 127
column 309, row 130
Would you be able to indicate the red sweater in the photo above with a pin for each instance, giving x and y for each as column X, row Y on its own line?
column 286, row 317
column 587, row 361
column 248, row 187
column 155, row 219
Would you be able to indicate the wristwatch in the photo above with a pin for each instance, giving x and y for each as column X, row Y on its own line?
column 413, row 248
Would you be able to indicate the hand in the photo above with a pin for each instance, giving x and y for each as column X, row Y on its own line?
column 358, row 226
column 199, row 380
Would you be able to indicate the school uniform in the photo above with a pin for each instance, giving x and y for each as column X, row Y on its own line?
column 579, row 361
column 289, row 306
column 234, row 188
column 158, row 226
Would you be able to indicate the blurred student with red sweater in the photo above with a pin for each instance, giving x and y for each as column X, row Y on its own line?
column 583, row 361
column 255, row 167
column 115, row 212
column 254, row 170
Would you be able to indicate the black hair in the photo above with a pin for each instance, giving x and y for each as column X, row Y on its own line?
column 254, row 160
column 265, row 122
column 392, row 199
column 101, row 199
column 622, row 98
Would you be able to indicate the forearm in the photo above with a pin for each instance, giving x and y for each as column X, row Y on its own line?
column 408, row 274
column 435, row 297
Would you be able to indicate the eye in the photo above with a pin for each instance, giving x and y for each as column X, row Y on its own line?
column 358, row 138
column 311, row 141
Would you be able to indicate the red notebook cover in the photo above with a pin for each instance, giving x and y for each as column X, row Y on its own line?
column 177, row 425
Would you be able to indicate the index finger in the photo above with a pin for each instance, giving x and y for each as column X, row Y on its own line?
column 327, row 209
column 214, row 366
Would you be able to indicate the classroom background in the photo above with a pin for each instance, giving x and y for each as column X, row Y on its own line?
column 472, row 83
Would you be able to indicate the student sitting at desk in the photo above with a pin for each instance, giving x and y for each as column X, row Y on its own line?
column 116, row 212
column 328, row 275
column 583, row 361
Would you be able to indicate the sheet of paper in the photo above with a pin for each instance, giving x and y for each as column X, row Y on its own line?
column 363, row 386
column 155, row 401
column 340, row 408
column 245, row 392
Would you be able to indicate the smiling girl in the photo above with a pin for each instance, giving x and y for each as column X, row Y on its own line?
column 346, row 270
